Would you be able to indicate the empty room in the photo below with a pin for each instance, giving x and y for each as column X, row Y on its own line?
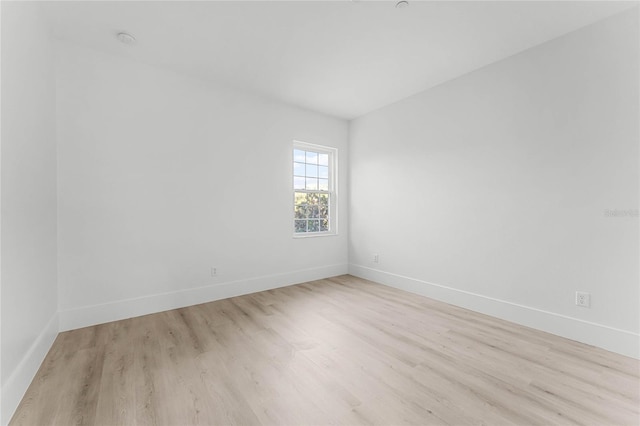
column 349, row 212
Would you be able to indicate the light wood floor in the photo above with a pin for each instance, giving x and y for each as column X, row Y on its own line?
column 338, row 351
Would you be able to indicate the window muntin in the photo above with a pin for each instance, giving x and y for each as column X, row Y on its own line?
column 313, row 189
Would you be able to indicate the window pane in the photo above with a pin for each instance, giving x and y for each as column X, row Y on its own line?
column 298, row 183
column 314, row 212
column 324, row 211
column 323, row 159
column 323, row 172
column 312, row 198
column 298, row 169
column 312, row 184
column 301, row 211
column 314, row 226
column 299, row 155
column 312, row 171
column 300, row 198
column 324, row 225
column 323, row 199
column 312, row 157
column 300, row 226
column 323, row 184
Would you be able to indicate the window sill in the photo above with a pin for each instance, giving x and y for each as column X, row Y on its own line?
column 314, row 234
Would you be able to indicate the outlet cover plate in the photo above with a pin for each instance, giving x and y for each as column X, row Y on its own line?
column 583, row 299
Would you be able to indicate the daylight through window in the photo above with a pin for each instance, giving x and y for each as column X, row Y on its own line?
column 313, row 189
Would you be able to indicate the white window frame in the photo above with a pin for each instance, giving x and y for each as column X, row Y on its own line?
column 332, row 192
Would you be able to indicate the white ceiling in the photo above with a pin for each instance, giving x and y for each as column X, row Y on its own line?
column 343, row 58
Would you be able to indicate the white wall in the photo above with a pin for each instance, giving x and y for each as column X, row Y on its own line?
column 489, row 191
column 161, row 177
column 29, row 289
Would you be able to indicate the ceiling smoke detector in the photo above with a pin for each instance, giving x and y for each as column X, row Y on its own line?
column 402, row 4
column 126, row 38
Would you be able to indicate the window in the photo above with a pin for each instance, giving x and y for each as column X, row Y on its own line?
column 313, row 190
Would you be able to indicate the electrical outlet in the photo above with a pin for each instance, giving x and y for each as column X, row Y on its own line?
column 376, row 258
column 583, row 299
column 214, row 271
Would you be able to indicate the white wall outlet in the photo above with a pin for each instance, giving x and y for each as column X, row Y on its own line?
column 583, row 299
column 214, row 271
column 376, row 258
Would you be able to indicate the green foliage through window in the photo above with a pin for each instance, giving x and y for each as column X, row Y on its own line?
column 312, row 196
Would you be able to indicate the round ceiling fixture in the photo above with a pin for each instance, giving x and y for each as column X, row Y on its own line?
column 126, row 38
column 402, row 4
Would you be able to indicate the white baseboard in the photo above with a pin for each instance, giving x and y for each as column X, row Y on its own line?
column 129, row 308
column 18, row 382
column 612, row 339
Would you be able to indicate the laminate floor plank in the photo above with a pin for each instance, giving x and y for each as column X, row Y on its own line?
column 339, row 351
